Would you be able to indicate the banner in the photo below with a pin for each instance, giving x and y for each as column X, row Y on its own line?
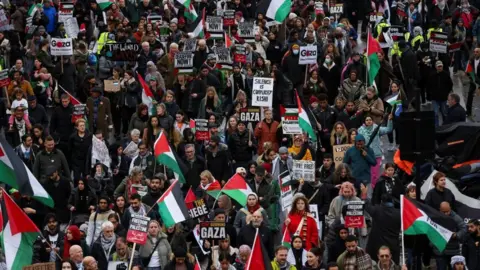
column 224, row 60
column 336, row 9
column 308, row 55
column 122, row 51
column 304, row 169
column 4, row 79
column 212, row 230
column 197, row 208
column 339, row 152
column 438, row 42
column 355, row 214
column 286, row 193
column 240, row 53
column 111, row 86
column 290, row 124
column 201, row 130
column 137, row 231
column 246, row 31
column 184, row 62
column 190, row 45
column 262, row 92
column 229, row 17
column 214, row 26
column 71, row 27
column 61, row 47
column 250, row 115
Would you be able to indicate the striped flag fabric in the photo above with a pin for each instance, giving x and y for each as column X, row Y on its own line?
column 104, row 4
column 18, row 234
column 164, row 155
column 470, row 72
column 73, row 100
column 33, row 9
column 191, row 124
column 304, row 121
column 393, row 99
column 214, row 189
column 147, row 95
column 197, row 28
column 258, row 259
column 286, row 238
column 17, row 175
column 171, row 206
column 228, row 41
column 277, row 10
column 190, row 198
column 373, row 64
column 237, row 189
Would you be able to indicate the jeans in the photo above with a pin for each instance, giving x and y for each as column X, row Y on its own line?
column 439, row 107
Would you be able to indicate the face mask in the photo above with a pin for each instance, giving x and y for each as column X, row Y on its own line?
column 295, row 52
column 328, row 61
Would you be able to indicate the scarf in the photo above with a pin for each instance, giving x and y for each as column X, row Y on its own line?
column 26, row 151
column 252, row 209
column 21, row 127
column 107, row 244
column 359, row 261
column 142, row 211
column 313, row 80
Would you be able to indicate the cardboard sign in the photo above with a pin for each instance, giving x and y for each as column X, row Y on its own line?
column 61, row 47
column 197, row 208
column 290, row 122
column 201, row 130
column 137, row 231
column 336, row 9
column 246, row 31
column 396, row 31
column 212, row 230
column 355, row 214
column 40, row 266
column 71, row 27
column 229, row 17
column 304, row 169
column 4, row 79
column 184, row 62
column 339, row 152
column 240, row 55
column 262, row 92
column 214, row 26
column 122, row 51
column 308, row 55
column 286, row 193
column 250, row 115
column 111, row 86
column 438, row 42
column 190, row 45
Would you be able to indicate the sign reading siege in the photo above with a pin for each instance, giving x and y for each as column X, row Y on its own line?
column 137, row 231
column 304, row 169
column 212, row 230
column 339, row 153
column 122, row 51
column 355, row 214
column 197, row 208
column 262, row 93
column 308, row 55
column 61, row 46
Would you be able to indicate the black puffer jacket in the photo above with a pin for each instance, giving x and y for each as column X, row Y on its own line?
column 78, row 147
column 238, row 145
column 218, row 162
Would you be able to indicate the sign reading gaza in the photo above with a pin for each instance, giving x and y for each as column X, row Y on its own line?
column 61, row 46
column 212, row 230
column 262, row 93
column 122, row 51
column 308, row 55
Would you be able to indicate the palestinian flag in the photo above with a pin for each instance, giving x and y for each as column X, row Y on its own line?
column 373, row 64
column 277, row 10
column 147, row 95
column 303, row 119
column 16, row 174
column 237, row 189
column 258, row 259
column 164, row 155
column 18, row 234
column 192, row 125
column 197, row 28
column 73, row 100
column 171, row 207
column 228, row 41
column 393, row 100
column 197, row 264
column 190, row 198
column 33, row 9
column 286, row 239
column 104, row 4
column 469, row 70
column 189, row 10
column 214, row 189
column 419, row 218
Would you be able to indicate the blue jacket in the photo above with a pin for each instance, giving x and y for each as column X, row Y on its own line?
column 51, row 14
column 367, row 132
column 359, row 164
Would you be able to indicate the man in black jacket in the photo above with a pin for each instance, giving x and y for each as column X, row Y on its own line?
column 241, row 146
column 46, row 249
column 59, row 189
column 247, row 233
column 409, row 68
column 471, row 246
column 455, row 111
column 439, row 86
column 195, row 165
column 37, row 112
column 61, row 125
column 217, row 158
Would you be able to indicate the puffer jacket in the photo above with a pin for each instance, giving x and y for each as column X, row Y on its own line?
column 95, row 225
column 238, row 145
column 367, row 133
column 352, row 91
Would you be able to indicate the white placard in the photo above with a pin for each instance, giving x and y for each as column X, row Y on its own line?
column 304, row 169
column 438, row 42
column 262, row 94
column 4, row 26
column 71, row 27
column 290, row 122
column 183, row 60
column 308, row 55
column 286, row 193
column 61, row 46
column 63, row 15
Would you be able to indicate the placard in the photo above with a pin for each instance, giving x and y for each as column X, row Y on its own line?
column 250, row 115
column 240, row 53
column 64, row 15
column 122, row 51
column 201, row 130
column 117, row 265
column 355, row 214
column 153, row 19
column 319, row 8
column 396, row 31
column 308, row 55
column 71, row 27
column 401, row 9
column 438, row 42
column 304, row 169
column 40, row 266
column 290, row 124
column 314, row 212
column 4, row 79
column 246, row 31
column 137, row 231
column 455, row 47
column 4, row 25
column 214, row 26
column 190, row 45
column 224, row 59
column 229, row 17
column 111, row 86
column 286, row 193
column 184, row 62
column 339, row 152
column 336, row 9
column 164, row 33
column 212, row 230
column 262, row 92
column 197, row 208
column 131, row 150
column 61, row 47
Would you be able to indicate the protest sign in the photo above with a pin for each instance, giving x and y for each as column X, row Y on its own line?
column 401, row 9
column 314, row 212
column 137, row 231
column 455, row 47
column 154, row 18
column 41, row 266
column 184, row 62
column 229, row 17
column 286, row 193
column 4, row 79
column 201, row 130
column 290, row 122
column 339, row 152
column 30, row 30
column 122, row 51
column 71, row 27
column 355, row 214
column 336, row 9
column 117, row 265
column 304, row 169
column 131, row 150
column 262, row 92
column 396, row 31
column 250, row 115
column 61, row 47
column 64, row 15
column 214, row 26
column 246, row 31
column 197, row 208
column 164, row 33
column 240, row 53
column 212, row 230
column 111, row 86
column 319, row 8
column 438, row 42
column 224, row 60
column 190, row 45
column 308, row 55
column 4, row 25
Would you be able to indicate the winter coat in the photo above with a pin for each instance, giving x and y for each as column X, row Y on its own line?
column 266, row 132
column 238, row 146
column 350, row 119
column 455, row 114
column 104, row 115
column 384, row 185
column 202, row 110
column 241, row 218
column 61, row 122
column 166, row 67
column 352, row 91
column 435, row 197
column 439, row 85
column 163, row 248
column 130, row 95
column 137, row 123
column 373, row 108
column 78, row 148
column 56, row 158
column 18, row 19
column 192, row 176
column 310, row 235
column 51, row 14
column 471, row 251
column 40, row 246
column 100, row 255
column 247, row 235
column 384, row 77
column 105, row 67
column 218, row 162
column 453, row 245
column 375, row 144
column 359, row 164
column 294, row 72
column 331, row 78
column 95, row 225
column 60, row 193
column 82, row 200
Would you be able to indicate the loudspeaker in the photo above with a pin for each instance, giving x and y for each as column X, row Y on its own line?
column 417, row 135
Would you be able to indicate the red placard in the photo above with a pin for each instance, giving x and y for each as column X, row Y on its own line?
column 355, row 217
column 228, row 17
column 4, row 79
column 137, row 231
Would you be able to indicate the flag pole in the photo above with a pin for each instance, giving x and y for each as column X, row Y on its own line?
column 401, row 224
column 368, row 61
column 131, row 256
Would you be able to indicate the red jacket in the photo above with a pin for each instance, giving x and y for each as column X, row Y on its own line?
column 266, row 134
column 309, row 236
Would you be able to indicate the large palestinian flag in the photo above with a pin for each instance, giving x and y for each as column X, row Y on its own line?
column 171, row 206
column 237, row 189
column 419, row 218
column 16, row 174
column 258, row 259
column 165, row 155
column 18, row 234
